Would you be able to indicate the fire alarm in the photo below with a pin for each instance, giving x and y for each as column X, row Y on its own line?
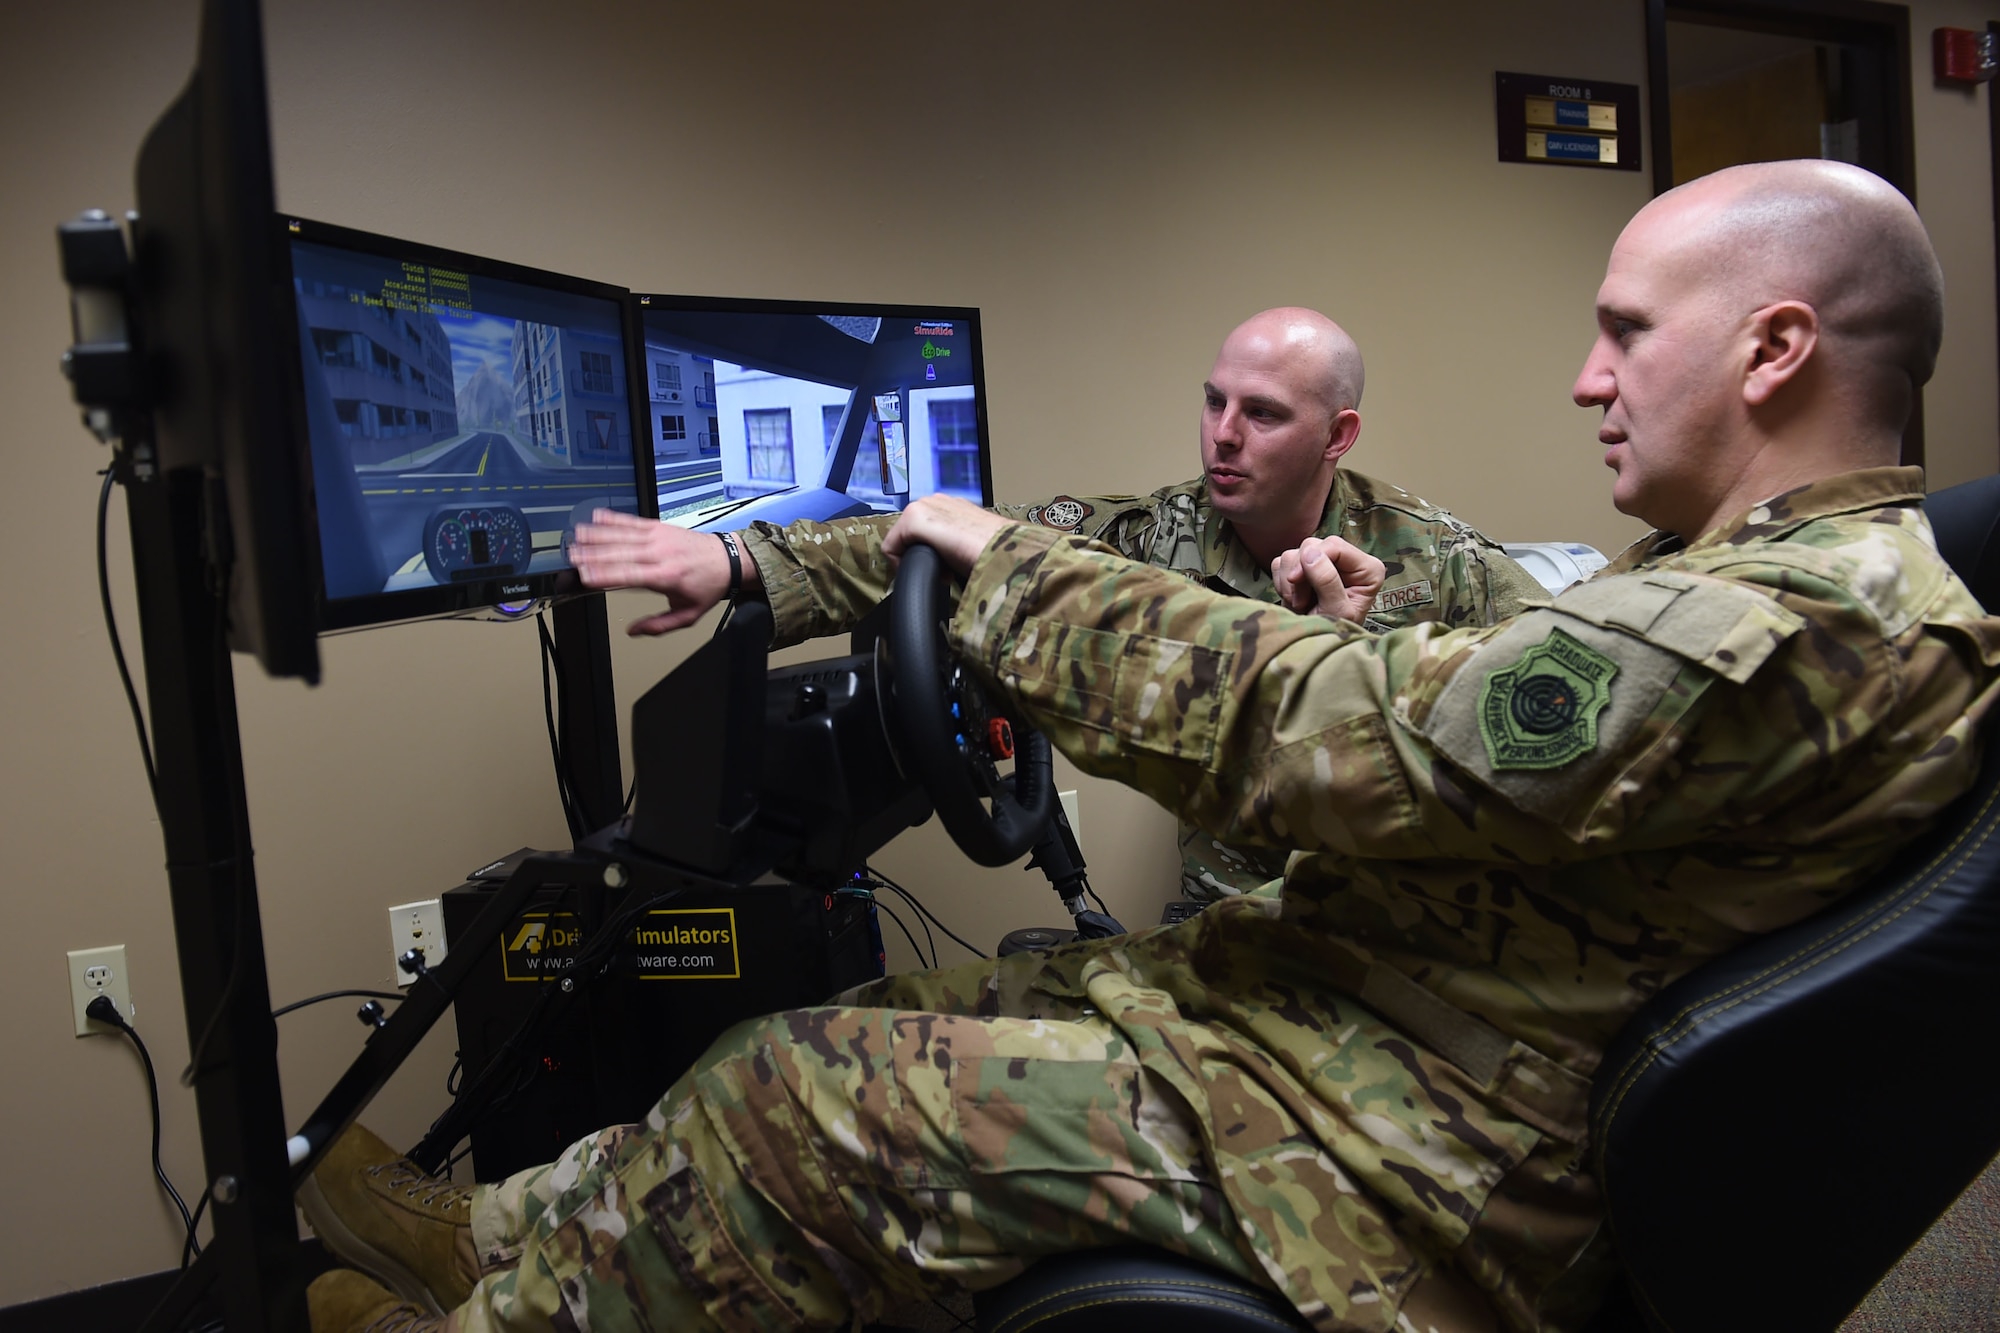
column 1960, row 55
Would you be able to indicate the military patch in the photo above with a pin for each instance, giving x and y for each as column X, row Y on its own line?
column 1063, row 513
column 1407, row 594
column 1542, row 711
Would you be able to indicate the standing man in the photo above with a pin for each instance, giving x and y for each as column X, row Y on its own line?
column 1370, row 1094
column 1280, row 409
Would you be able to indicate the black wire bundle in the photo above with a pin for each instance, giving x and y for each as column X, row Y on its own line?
column 872, row 878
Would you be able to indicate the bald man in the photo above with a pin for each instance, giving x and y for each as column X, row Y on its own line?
column 1280, row 410
column 1369, row 1094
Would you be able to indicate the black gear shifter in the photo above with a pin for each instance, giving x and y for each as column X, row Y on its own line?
column 1058, row 856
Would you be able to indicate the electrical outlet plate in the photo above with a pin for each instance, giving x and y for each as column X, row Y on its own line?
column 95, row 972
column 416, row 926
column 1068, row 799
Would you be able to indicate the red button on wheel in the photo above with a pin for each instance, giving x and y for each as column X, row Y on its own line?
column 1000, row 738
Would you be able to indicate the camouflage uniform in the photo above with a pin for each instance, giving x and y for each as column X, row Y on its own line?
column 1368, row 1093
column 821, row 578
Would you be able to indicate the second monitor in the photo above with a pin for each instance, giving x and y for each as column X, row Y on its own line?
column 782, row 410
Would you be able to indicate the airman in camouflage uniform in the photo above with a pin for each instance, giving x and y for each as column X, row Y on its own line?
column 821, row 578
column 1280, row 412
column 1367, row 1093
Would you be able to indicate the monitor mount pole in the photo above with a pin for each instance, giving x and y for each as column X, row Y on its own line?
column 178, row 535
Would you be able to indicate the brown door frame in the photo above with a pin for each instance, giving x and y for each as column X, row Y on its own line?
column 1867, row 23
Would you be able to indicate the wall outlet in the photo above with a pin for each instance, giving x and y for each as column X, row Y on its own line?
column 416, row 926
column 95, row 972
column 1068, row 799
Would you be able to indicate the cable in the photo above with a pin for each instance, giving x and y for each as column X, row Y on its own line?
column 891, row 912
column 105, row 1011
column 222, row 1004
column 923, row 919
column 873, row 873
column 570, row 814
column 282, row 1010
column 190, row 1248
column 224, row 681
column 117, row 648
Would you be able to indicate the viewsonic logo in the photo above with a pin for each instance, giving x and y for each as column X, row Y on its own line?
column 513, row 590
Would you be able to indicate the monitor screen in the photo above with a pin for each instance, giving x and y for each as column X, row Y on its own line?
column 782, row 410
column 463, row 415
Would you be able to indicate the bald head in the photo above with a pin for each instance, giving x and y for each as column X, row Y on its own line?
column 1314, row 348
column 1278, row 413
column 1838, row 238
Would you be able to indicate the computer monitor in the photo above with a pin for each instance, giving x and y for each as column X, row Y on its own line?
column 782, row 410
column 462, row 415
column 207, row 303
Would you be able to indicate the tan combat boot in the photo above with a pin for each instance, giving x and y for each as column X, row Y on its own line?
column 375, row 1210
column 341, row 1300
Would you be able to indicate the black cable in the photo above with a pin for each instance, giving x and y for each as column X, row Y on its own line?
column 1102, row 906
column 228, row 996
column 104, row 1010
column 224, row 681
column 189, row 1248
column 282, row 1010
column 117, row 648
column 891, row 912
column 873, row 873
column 570, row 815
column 923, row 917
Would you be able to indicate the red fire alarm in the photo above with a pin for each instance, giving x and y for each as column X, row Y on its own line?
column 1960, row 55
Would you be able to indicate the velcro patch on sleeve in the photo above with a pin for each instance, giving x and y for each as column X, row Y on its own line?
column 1543, row 712
column 1727, row 627
column 1548, row 712
column 1064, row 513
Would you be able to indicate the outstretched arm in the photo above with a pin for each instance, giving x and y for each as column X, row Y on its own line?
column 1324, row 576
column 690, row 569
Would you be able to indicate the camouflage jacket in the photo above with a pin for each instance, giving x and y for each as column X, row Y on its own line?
column 822, row 577
column 1511, row 836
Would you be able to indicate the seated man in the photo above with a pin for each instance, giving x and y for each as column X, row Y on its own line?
column 1279, row 413
column 1368, row 1094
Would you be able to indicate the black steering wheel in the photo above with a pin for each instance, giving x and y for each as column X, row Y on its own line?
column 950, row 736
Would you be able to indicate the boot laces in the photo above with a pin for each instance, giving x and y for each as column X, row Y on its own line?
column 406, row 1318
column 427, row 1190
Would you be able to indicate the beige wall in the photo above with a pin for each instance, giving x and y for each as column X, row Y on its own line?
column 1114, row 184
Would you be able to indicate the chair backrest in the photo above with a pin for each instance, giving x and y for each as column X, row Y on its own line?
column 1775, row 1129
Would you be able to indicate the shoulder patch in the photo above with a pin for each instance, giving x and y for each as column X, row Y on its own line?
column 1064, row 513
column 1547, row 711
column 1542, row 711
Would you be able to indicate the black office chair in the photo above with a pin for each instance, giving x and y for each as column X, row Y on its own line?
column 1772, row 1131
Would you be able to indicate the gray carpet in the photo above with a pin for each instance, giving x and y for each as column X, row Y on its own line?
column 1949, row 1282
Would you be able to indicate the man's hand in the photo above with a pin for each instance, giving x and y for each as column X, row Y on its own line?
column 690, row 569
column 1328, row 577
column 956, row 529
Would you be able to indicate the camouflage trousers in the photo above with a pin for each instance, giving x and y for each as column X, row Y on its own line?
column 817, row 1164
column 930, row 1130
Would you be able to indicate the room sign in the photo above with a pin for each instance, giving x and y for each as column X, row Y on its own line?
column 1577, row 122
